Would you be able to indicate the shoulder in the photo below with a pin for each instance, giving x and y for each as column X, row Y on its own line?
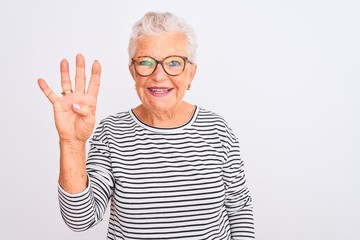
column 208, row 116
column 215, row 120
column 119, row 117
column 118, row 120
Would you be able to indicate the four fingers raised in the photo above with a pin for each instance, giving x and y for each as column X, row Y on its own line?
column 80, row 79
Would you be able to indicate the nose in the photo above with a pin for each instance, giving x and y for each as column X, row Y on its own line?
column 159, row 73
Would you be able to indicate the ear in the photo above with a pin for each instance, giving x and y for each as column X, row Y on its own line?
column 192, row 73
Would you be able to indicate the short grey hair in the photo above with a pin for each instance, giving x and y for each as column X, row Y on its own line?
column 158, row 23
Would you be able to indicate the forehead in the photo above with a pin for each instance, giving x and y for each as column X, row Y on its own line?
column 162, row 46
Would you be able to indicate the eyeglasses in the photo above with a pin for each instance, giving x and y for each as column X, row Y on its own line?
column 172, row 65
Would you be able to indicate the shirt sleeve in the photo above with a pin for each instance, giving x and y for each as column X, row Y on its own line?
column 83, row 210
column 238, row 201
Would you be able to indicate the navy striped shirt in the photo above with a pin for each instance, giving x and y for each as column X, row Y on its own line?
column 164, row 183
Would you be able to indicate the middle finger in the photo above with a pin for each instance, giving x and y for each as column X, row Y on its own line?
column 80, row 78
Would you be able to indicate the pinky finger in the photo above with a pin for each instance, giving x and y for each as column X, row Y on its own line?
column 47, row 91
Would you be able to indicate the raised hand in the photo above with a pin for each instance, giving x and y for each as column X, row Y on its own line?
column 74, row 112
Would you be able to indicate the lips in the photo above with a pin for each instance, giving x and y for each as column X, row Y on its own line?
column 159, row 91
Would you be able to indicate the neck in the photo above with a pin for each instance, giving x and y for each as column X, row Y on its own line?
column 175, row 117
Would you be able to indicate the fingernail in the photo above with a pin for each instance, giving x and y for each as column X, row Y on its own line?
column 76, row 106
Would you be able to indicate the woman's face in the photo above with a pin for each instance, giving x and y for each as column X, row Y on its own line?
column 160, row 92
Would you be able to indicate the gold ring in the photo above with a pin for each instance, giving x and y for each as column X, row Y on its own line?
column 66, row 92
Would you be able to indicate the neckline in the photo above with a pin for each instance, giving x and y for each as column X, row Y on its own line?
column 168, row 130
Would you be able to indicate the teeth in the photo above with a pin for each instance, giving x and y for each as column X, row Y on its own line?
column 159, row 90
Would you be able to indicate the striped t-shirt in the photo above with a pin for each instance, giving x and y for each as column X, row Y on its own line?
column 185, row 183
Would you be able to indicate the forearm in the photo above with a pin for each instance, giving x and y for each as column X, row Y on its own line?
column 78, row 210
column 85, row 208
column 72, row 177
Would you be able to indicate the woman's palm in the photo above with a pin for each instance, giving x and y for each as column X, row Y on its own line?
column 74, row 113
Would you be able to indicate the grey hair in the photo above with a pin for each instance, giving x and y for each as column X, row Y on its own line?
column 157, row 23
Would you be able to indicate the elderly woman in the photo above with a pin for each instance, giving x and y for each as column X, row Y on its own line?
column 171, row 169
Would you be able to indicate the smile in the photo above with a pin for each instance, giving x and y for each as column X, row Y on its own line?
column 159, row 91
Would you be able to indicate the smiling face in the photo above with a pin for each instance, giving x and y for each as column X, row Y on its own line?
column 160, row 92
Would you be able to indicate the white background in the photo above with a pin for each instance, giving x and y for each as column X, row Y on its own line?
column 284, row 74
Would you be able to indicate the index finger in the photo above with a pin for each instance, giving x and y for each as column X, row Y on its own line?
column 94, row 83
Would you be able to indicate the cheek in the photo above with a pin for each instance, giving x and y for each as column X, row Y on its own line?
column 186, row 81
column 180, row 84
column 140, row 81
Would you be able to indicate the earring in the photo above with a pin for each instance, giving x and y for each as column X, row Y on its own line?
column 189, row 87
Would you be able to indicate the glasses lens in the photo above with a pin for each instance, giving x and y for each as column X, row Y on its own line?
column 174, row 65
column 144, row 65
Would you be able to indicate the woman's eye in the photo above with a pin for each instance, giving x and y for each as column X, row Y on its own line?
column 174, row 64
column 146, row 63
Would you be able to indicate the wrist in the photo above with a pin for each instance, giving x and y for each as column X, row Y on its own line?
column 72, row 143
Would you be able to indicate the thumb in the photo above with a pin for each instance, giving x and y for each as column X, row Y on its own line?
column 82, row 110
